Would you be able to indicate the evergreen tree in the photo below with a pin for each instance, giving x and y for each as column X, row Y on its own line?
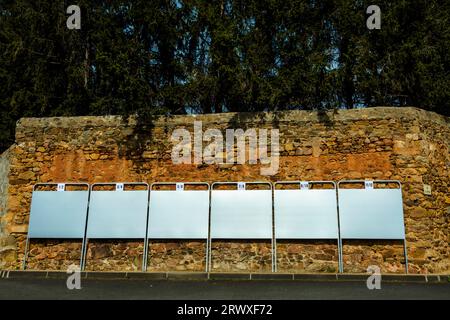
column 184, row 56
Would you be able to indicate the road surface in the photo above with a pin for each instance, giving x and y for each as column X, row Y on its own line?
column 223, row 290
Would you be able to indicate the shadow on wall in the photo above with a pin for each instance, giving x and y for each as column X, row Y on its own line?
column 323, row 117
column 137, row 141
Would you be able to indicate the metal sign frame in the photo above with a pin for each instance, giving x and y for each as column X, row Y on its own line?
column 305, row 187
column 369, row 187
column 83, row 215
column 119, row 188
column 211, row 236
column 179, row 189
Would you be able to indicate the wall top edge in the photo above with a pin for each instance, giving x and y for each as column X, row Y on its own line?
column 374, row 113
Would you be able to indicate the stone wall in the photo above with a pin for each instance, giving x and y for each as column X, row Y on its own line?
column 7, row 243
column 405, row 144
column 4, row 183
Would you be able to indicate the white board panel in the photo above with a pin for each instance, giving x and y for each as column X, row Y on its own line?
column 306, row 214
column 371, row 214
column 178, row 214
column 239, row 214
column 58, row 214
column 117, row 214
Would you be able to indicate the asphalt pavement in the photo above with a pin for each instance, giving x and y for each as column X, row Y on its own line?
column 92, row 289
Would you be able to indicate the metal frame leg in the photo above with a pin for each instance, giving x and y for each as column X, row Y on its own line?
column 86, row 243
column 25, row 256
column 206, row 256
column 340, row 255
column 145, row 254
column 145, row 257
column 210, row 256
column 274, row 255
column 83, row 244
column 271, row 254
column 208, row 239
column 406, row 255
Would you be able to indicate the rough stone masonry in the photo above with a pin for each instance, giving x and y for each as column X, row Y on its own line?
column 406, row 144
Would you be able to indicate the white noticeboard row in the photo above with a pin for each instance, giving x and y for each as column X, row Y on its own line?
column 303, row 213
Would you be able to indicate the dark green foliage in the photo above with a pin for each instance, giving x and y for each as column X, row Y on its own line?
column 183, row 56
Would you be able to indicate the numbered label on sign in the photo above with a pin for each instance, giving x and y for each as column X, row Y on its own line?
column 368, row 184
column 119, row 187
column 61, row 187
column 304, row 185
column 180, row 186
column 241, row 186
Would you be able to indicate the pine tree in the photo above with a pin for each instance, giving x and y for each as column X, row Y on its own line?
column 183, row 56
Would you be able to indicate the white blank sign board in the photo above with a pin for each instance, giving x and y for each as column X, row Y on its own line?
column 58, row 214
column 371, row 214
column 306, row 214
column 241, row 214
column 178, row 214
column 117, row 214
